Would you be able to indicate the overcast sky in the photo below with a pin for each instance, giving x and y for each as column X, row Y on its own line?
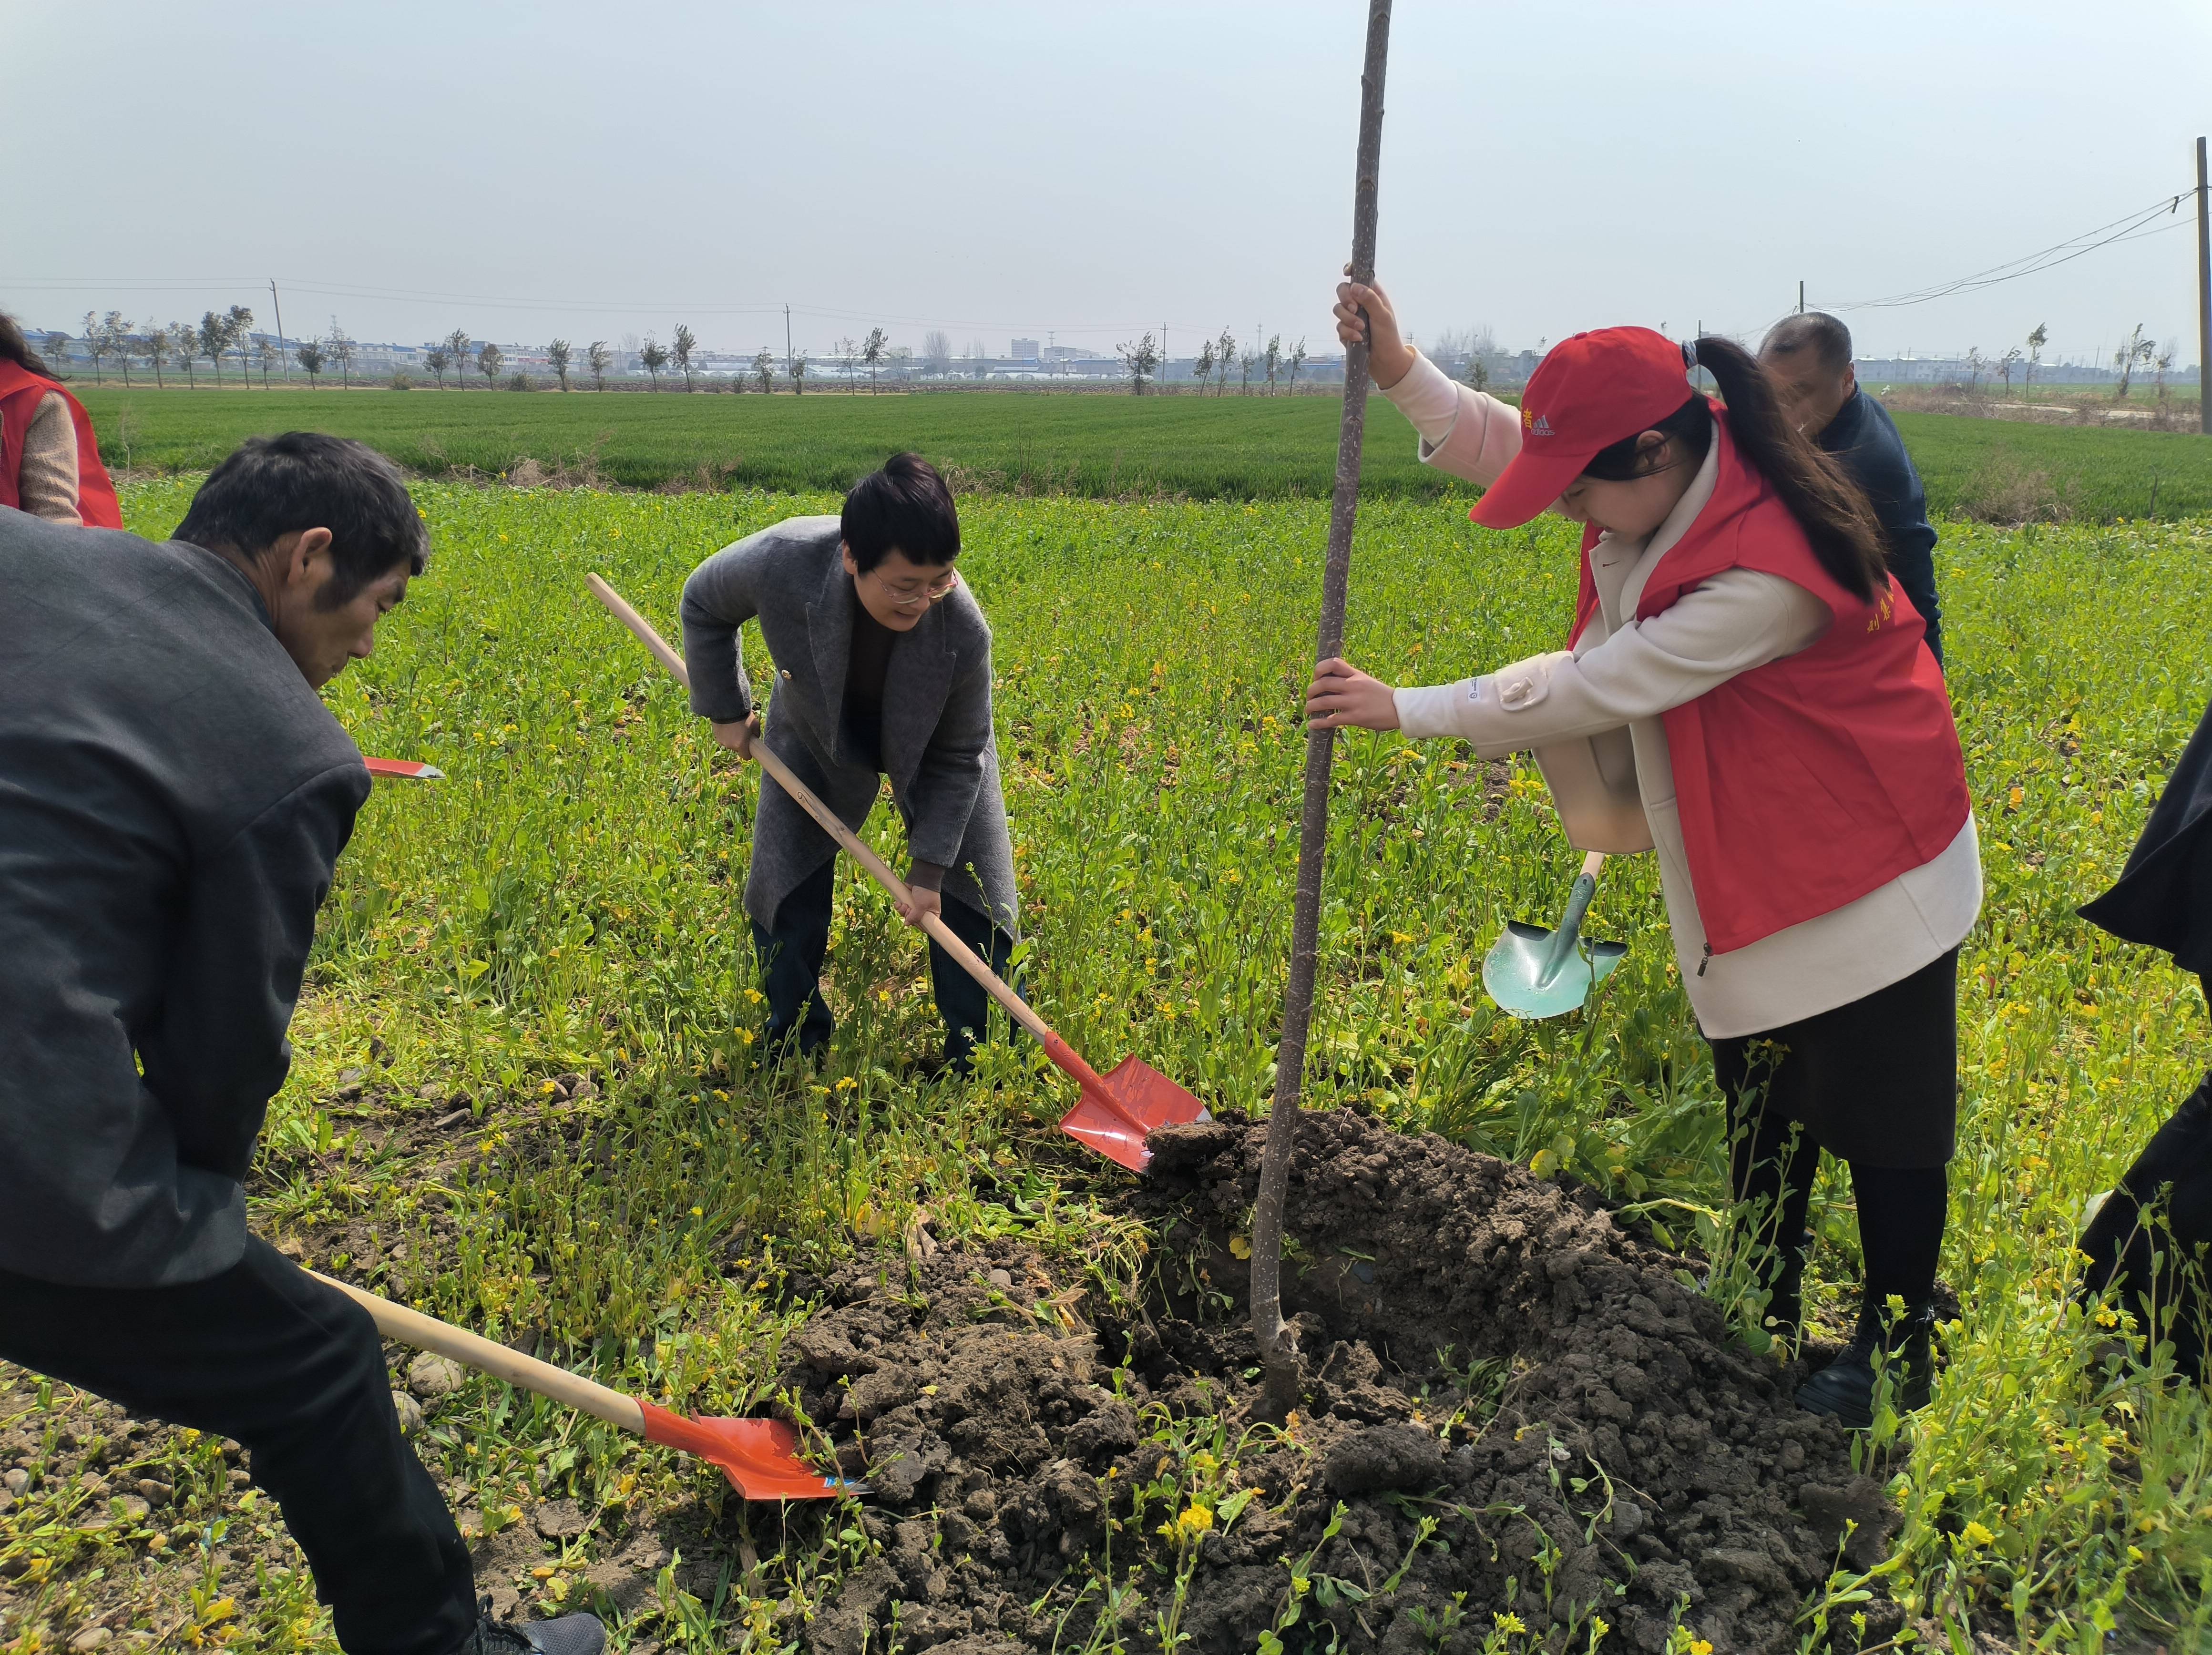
column 1091, row 171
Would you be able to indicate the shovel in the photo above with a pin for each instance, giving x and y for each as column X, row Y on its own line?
column 1116, row 1110
column 403, row 770
column 1534, row 973
column 760, row 1457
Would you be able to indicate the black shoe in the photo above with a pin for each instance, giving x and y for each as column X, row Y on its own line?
column 571, row 1635
column 1844, row 1388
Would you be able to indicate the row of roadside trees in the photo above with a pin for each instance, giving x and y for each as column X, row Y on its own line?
column 1217, row 359
column 112, row 338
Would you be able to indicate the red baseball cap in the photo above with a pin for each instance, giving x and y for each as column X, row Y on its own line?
column 1588, row 393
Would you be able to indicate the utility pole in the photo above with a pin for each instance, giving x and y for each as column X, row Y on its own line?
column 787, row 341
column 1801, row 296
column 2203, row 298
column 285, row 356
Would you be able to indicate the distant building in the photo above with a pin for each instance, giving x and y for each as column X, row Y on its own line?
column 1024, row 350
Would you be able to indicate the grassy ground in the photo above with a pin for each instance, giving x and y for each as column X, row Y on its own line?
column 1206, row 447
column 564, row 908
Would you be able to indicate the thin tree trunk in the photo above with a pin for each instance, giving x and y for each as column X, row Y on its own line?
column 1278, row 1355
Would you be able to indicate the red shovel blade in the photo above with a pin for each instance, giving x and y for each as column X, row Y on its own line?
column 403, row 770
column 760, row 1457
column 1117, row 1110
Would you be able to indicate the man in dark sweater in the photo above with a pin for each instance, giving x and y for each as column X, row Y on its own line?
column 174, row 796
column 883, row 668
column 1808, row 357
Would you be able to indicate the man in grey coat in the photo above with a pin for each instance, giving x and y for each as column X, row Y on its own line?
column 883, row 668
column 173, row 797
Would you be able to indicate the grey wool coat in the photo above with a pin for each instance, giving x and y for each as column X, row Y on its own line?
column 937, row 745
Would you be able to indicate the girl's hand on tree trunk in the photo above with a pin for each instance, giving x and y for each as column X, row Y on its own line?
column 1343, row 697
column 1389, row 358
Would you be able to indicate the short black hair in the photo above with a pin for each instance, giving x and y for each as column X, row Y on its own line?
column 271, row 485
column 1829, row 339
column 905, row 508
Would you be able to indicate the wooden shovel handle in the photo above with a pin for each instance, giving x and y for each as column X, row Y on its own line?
column 1593, row 862
column 412, row 1327
column 938, row 931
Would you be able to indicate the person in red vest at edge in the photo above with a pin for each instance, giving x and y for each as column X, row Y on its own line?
column 49, row 462
column 1746, row 693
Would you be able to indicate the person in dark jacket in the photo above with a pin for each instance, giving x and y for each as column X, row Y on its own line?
column 1808, row 358
column 883, row 668
column 2164, row 901
column 174, row 796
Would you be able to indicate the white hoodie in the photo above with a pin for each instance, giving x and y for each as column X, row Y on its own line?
column 1573, row 709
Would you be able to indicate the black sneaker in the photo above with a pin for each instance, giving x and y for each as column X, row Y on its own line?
column 1844, row 1388
column 571, row 1635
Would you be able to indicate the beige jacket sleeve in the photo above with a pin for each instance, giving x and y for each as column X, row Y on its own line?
column 1462, row 431
column 46, row 482
column 1738, row 620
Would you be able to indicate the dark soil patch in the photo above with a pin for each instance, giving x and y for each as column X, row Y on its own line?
column 1517, row 1408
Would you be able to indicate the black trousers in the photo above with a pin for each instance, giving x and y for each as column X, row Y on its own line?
column 2174, row 1177
column 1875, row 1081
column 791, row 958
column 294, row 1371
column 1771, row 1164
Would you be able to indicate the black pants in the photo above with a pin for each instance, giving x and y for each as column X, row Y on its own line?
column 294, row 1370
column 2173, row 1176
column 791, row 959
column 1772, row 1158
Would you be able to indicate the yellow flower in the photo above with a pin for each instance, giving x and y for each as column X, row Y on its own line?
column 1975, row 1535
column 847, row 1084
column 1507, row 1622
column 1195, row 1520
column 1699, row 1647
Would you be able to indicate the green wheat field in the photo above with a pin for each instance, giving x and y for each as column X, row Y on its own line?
column 566, row 904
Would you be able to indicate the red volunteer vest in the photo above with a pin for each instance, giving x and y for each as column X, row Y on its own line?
column 1806, row 783
column 21, row 393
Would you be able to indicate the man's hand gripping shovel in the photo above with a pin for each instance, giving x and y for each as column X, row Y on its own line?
column 1117, row 1109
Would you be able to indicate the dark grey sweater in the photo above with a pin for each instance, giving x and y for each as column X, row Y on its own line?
column 173, row 797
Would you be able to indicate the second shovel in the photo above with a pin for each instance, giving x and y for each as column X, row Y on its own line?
column 1534, row 973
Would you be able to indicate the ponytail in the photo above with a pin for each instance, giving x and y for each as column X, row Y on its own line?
column 1830, row 508
column 15, row 348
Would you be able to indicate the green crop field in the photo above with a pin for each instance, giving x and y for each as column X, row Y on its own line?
column 566, row 904
column 1236, row 447
column 1204, row 447
column 2009, row 471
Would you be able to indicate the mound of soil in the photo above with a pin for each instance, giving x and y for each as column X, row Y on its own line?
column 1513, row 1407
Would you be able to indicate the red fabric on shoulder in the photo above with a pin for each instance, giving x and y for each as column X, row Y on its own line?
column 21, row 393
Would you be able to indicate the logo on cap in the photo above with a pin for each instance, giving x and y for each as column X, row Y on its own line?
column 1535, row 424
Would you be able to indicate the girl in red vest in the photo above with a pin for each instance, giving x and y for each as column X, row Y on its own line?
column 1747, row 692
column 49, row 464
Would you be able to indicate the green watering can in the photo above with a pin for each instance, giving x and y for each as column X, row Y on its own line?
column 1534, row 973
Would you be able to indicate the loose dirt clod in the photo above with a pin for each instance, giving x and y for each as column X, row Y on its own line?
column 1513, row 1407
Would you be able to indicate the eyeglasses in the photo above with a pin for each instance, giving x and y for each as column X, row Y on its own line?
column 912, row 597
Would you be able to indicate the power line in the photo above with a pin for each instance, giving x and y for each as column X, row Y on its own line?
column 2129, row 227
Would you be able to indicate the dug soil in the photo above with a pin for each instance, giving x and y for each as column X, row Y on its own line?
column 1515, row 1410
